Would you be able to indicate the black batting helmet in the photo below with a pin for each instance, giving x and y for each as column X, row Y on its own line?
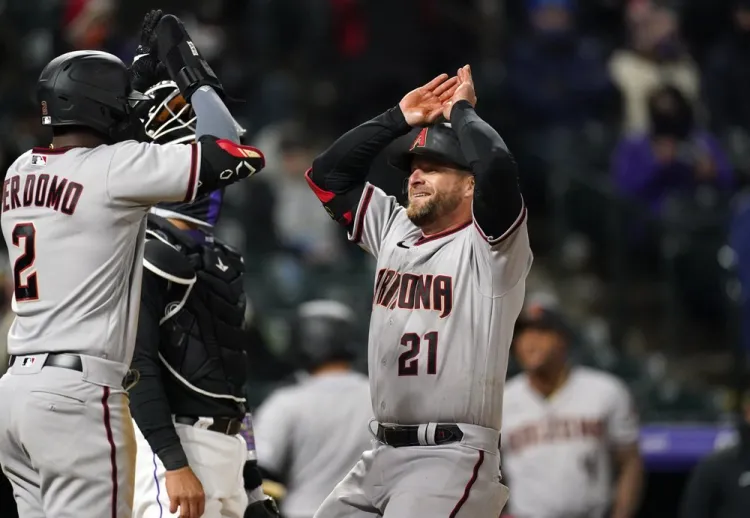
column 438, row 142
column 323, row 332
column 87, row 88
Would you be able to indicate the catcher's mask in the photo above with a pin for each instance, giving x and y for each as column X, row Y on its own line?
column 169, row 119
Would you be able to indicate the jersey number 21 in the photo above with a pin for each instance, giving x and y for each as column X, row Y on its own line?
column 408, row 361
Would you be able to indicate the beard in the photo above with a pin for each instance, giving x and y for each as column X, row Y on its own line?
column 435, row 207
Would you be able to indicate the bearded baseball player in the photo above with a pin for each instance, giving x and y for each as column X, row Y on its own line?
column 188, row 403
column 451, row 270
column 562, row 426
column 74, row 220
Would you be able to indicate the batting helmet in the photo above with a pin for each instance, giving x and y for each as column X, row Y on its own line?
column 87, row 88
column 323, row 331
column 438, row 142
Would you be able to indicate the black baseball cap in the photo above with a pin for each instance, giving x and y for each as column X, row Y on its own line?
column 438, row 142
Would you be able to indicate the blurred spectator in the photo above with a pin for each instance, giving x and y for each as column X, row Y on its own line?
column 309, row 435
column 673, row 157
column 87, row 23
column 562, row 425
column 726, row 81
column 556, row 77
column 656, row 56
column 739, row 241
column 727, row 74
column 719, row 486
column 300, row 224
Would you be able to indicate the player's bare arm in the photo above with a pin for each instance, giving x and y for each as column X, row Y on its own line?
column 629, row 481
column 498, row 206
column 338, row 175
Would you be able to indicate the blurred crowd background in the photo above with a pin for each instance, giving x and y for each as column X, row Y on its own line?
column 630, row 121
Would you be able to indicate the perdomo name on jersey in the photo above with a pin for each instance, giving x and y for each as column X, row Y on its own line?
column 414, row 291
column 41, row 190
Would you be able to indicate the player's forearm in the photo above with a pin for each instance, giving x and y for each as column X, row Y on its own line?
column 150, row 410
column 346, row 163
column 628, row 489
column 148, row 401
column 212, row 116
column 497, row 196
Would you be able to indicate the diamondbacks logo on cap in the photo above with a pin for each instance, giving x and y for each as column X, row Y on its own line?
column 39, row 160
column 421, row 139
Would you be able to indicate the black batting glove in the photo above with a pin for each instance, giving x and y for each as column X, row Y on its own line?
column 146, row 69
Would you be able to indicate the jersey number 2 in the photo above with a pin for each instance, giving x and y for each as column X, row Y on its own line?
column 29, row 290
column 408, row 363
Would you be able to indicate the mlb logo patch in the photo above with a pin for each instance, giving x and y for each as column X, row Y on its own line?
column 28, row 361
column 38, row 160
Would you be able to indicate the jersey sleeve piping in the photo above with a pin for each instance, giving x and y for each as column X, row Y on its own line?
column 515, row 226
column 192, row 188
column 359, row 219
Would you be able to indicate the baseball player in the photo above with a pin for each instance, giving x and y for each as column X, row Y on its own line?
column 188, row 403
column 451, row 270
column 309, row 435
column 561, row 427
column 73, row 217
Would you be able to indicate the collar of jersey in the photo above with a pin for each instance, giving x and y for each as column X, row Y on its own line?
column 53, row 150
column 432, row 237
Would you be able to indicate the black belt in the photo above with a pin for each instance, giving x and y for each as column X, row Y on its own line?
column 62, row 360
column 409, row 435
column 225, row 425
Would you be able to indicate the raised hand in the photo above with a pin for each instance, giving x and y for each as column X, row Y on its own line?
column 148, row 32
column 464, row 91
column 146, row 69
column 423, row 105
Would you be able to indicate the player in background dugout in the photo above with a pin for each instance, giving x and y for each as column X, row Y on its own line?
column 562, row 424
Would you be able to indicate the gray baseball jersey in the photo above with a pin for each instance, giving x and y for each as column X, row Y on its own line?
column 557, row 451
column 74, row 223
column 444, row 310
column 313, row 433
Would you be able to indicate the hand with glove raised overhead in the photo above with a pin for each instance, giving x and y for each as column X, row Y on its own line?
column 184, row 62
column 146, row 69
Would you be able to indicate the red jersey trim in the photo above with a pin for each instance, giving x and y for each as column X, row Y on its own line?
column 432, row 237
column 361, row 213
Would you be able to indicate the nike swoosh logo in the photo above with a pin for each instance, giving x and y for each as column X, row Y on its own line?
column 401, row 244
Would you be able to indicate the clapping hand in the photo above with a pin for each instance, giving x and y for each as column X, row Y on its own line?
column 422, row 106
column 463, row 91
